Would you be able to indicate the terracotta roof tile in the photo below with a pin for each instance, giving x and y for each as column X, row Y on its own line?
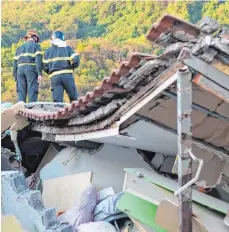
column 168, row 22
column 112, row 84
column 107, row 85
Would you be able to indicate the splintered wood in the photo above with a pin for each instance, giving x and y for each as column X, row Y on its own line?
column 64, row 192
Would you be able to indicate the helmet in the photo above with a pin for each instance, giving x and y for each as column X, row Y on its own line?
column 32, row 34
column 58, row 35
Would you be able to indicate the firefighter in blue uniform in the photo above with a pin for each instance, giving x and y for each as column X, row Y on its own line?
column 59, row 62
column 27, row 68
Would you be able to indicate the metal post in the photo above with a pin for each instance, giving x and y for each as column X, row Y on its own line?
column 184, row 129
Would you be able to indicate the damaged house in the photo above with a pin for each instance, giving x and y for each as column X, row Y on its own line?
column 132, row 121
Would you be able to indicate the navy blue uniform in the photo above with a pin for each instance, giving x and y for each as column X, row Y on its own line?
column 59, row 63
column 26, row 69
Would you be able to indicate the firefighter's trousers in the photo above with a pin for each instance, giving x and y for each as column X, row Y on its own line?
column 63, row 82
column 27, row 83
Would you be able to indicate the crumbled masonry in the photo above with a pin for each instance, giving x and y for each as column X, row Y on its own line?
column 27, row 206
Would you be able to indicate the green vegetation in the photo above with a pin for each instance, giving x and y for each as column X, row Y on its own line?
column 103, row 32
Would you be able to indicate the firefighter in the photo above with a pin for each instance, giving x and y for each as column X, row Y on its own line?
column 27, row 67
column 59, row 62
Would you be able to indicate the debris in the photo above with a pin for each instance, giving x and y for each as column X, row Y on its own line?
column 221, row 190
column 60, row 162
column 208, row 55
column 107, row 165
column 168, row 209
column 81, row 212
column 106, row 208
column 146, row 89
column 5, row 160
column 221, row 44
column 176, row 48
column 96, row 227
column 10, row 117
column 208, row 25
column 143, row 196
column 207, row 178
column 203, row 44
column 151, row 180
column 27, row 206
column 140, row 209
column 105, row 193
column 64, row 192
column 140, row 227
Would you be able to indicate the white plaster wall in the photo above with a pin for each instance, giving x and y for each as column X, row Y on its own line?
column 107, row 165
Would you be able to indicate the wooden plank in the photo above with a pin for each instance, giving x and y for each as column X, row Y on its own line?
column 220, row 66
column 168, row 209
column 140, row 209
column 10, row 224
column 64, row 192
column 216, row 75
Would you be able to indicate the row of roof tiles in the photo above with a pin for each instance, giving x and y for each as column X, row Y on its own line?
column 109, row 83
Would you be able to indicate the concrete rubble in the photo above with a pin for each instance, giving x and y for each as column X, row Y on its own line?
column 128, row 123
column 27, row 205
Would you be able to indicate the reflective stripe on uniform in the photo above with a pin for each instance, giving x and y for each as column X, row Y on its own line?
column 56, row 59
column 60, row 72
column 60, row 58
column 73, row 55
column 38, row 53
column 28, row 54
column 26, row 64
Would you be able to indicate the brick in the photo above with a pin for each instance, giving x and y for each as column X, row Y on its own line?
column 18, row 183
column 49, row 217
column 27, row 205
column 34, row 199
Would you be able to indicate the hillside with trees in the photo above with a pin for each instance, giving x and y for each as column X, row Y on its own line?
column 102, row 32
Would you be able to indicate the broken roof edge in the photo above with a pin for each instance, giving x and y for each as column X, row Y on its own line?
column 146, row 94
column 166, row 22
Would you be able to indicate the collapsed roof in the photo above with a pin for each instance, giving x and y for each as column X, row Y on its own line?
column 136, row 106
column 145, row 86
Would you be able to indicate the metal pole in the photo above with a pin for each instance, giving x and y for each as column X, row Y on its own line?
column 184, row 129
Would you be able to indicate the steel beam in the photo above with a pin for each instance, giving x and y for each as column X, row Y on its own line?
column 184, row 125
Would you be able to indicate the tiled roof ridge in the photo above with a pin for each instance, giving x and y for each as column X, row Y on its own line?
column 107, row 85
column 170, row 32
